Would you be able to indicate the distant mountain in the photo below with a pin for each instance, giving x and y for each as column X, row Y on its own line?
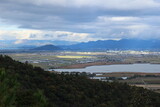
column 29, row 44
column 46, row 48
column 124, row 44
column 100, row 45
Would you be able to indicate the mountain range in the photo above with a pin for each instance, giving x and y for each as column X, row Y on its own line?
column 101, row 45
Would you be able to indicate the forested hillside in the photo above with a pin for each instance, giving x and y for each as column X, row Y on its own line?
column 22, row 85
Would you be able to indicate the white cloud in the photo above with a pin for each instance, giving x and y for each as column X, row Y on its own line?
column 124, row 18
column 110, row 27
column 16, row 34
column 117, row 18
column 22, row 35
column 70, row 36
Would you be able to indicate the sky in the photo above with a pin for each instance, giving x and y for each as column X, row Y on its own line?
column 79, row 20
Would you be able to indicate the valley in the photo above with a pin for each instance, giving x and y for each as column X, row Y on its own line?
column 72, row 59
column 49, row 60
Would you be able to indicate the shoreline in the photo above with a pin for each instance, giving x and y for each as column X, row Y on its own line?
column 84, row 65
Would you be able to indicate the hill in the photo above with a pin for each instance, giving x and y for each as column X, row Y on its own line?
column 22, row 85
column 47, row 48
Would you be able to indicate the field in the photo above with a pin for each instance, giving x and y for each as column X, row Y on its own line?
column 48, row 60
column 63, row 59
column 142, row 80
column 153, row 87
column 150, row 81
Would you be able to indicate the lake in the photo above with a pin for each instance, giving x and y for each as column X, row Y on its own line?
column 147, row 68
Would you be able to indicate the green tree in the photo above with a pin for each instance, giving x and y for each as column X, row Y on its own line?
column 8, row 87
column 40, row 99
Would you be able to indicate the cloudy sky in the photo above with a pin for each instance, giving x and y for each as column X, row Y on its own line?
column 79, row 20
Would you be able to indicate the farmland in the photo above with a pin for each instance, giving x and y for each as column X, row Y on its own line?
column 65, row 59
column 150, row 81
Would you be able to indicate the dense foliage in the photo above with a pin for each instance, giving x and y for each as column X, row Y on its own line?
column 22, row 85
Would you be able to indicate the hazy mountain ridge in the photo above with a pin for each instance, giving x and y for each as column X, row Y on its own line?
column 124, row 44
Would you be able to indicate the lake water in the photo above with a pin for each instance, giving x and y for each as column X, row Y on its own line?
column 148, row 68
